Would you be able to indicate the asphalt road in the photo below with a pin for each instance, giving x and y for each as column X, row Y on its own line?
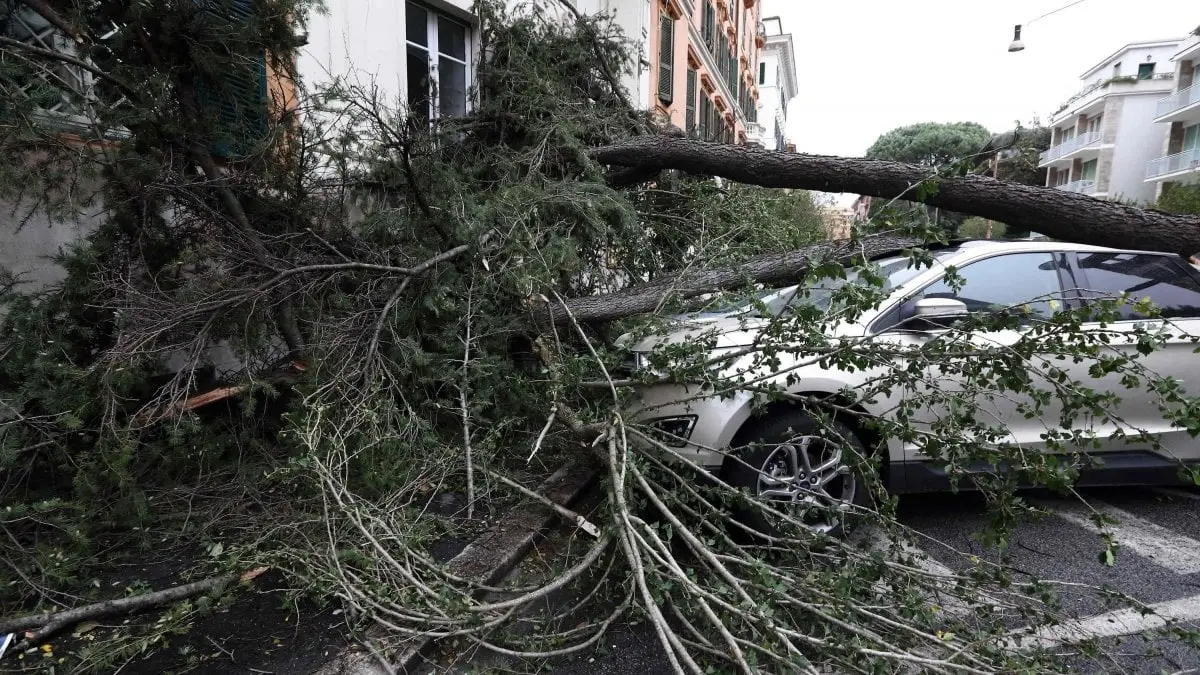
column 1159, row 562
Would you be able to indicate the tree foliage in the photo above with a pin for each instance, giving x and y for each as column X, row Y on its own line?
column 1019, row 153
column 1180, row 199
column 377, row 292
column 931, row 144
column 937, row 146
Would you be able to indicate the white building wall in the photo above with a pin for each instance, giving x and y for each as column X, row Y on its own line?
column 1158, row 53
column 1138, row 141
column 633, row 17
column 770, row 114
column 363, row 41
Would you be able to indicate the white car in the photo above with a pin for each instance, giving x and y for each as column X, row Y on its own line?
column 790, row 461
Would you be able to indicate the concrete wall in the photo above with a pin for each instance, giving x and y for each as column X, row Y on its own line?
column 1139, row 140
column 29, row 239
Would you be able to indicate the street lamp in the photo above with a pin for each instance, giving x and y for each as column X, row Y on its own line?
column 1016, row 44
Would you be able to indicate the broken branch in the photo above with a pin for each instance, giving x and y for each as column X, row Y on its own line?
column 49, row 622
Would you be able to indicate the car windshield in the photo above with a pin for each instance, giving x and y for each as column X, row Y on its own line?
column 896, row 271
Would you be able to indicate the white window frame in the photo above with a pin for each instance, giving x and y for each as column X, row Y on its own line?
column 434, row 56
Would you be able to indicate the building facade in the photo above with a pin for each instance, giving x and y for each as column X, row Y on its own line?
column 695, row 63
column 703, row 56
column 1178, row 117
column 1103, row 136
column 777, row 84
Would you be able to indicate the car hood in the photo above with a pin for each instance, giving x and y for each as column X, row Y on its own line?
column 729, row 330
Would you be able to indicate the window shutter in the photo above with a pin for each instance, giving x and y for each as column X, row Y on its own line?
column 690, row 107
column 237, row 98
column 666, row 59
column 711, row 34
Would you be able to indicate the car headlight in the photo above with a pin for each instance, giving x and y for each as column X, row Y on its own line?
column 672, row 432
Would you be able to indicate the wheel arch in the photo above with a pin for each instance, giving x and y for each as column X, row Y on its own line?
column 847, row 411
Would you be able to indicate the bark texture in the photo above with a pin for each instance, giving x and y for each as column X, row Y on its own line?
column 1052, row 212
column 771, row 268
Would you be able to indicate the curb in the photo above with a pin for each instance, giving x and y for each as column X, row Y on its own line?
column 486, row 560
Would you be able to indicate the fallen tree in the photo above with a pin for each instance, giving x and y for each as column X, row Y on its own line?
column 386, row 255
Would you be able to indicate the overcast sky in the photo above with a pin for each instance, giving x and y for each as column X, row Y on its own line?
column 867, row 66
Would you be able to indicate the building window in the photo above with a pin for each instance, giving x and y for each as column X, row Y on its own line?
column 1145, row 71
column 1088, row 170
column 1191, row 137
column 762, row 73
column 666, row 58
column 438, row 69
column 710, row 27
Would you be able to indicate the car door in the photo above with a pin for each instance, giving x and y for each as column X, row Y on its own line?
column 1174, row 289
column 1031, row 283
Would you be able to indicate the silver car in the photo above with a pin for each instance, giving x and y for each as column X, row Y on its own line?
column 783, row 457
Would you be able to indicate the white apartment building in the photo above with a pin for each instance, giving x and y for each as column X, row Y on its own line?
column 1178, row 116
column 1104, row 136
column 777, row 84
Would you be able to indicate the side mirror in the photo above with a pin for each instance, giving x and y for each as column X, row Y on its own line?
column 939, row 311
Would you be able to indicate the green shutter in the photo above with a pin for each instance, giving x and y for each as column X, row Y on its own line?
column 711, row 34
column 666, row 59
column 690, row 107
column 237, row 97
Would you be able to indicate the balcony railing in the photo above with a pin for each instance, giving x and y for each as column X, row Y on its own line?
column 64, row 90
column 1179, row 100
column 1070, row 145
column 1083, row 187
column 1181, row 161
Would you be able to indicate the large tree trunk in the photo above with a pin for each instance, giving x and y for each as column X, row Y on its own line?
column 1054, row 213
column 771, row 268
column 1058, row 214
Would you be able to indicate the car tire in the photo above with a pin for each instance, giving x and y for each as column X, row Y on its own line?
column 763, row 463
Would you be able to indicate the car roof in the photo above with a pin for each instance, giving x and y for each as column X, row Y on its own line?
column 990, row 245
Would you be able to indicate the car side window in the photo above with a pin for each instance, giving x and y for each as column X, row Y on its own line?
column 1162, row 279
column 1027, row 282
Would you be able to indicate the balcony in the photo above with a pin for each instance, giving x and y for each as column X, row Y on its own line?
column 1069, row 147
column 1172, row 165
column 1091, row 97
column 1083, row 187
column 1181, row 106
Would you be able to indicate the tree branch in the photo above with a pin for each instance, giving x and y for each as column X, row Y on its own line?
column 78, row 63
column 54, row 18
column 60, row 620
column 771, row 268
column 1054, row 213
